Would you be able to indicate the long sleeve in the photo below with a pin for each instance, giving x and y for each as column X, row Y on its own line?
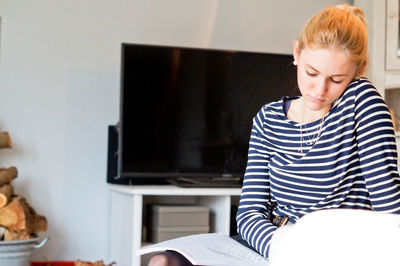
column 377, row 150
column 252, row 217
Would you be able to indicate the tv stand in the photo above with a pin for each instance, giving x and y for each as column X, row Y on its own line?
column 127, row 213
column 218, row 182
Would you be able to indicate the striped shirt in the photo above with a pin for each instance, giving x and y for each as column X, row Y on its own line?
column 353, row 163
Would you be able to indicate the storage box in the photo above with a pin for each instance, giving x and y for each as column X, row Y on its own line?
column 172, row 221
column 168, row 232
column 173, row 215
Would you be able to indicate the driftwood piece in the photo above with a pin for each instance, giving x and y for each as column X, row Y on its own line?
column 20, row 217
column 6, row 192
column 5, row 140
column 7, row 175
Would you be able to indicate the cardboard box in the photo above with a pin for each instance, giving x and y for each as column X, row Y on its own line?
column 174, row 216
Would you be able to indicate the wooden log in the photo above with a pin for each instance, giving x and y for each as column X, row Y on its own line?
column 6, row 192
column 20, row 217
column 7, row 175
column 11, row 236
column 5, row 140
column 40, row 224
column 13, row 216
column 35, row 223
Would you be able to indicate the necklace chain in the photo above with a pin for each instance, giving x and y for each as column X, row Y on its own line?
column 311, row 140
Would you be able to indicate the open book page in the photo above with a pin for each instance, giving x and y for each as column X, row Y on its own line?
column 209, row 249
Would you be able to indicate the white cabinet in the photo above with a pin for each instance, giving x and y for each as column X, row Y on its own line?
column 127, row 214
column 384, row 46
column 392, row 35
column 392, row 66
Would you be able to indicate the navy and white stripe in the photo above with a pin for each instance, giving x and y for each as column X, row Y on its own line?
column 352, row 165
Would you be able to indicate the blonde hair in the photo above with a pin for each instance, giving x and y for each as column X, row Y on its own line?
column 343, row 27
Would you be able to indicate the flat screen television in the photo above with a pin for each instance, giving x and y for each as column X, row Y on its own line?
column 187, row 112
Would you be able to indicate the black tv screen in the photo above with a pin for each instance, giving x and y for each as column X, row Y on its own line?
column 187, row 112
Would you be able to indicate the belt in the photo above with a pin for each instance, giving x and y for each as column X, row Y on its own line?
column 280, row 220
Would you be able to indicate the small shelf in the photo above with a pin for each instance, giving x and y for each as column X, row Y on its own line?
column 127, row 213
column 173, row 190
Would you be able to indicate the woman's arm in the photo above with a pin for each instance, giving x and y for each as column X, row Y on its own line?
column 377, row 149
column 252, row 217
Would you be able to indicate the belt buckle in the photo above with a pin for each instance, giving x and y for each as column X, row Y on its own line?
column 280, row 220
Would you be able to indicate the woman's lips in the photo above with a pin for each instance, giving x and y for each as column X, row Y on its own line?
column 316, row 100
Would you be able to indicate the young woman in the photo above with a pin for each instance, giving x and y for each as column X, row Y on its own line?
column 332, row 147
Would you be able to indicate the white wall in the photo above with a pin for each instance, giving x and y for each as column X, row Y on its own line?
column 59, row 84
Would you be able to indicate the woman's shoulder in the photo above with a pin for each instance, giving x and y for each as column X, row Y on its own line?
column 273, row 109
column 365, row 92
column 268, row 112
column 277, row 106
column 357, row 90
column 361, row 86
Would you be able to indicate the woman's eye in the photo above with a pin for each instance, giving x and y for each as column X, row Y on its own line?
column 336, row 81
column 311, row 74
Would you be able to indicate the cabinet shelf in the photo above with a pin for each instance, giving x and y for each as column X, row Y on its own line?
column 127, row 208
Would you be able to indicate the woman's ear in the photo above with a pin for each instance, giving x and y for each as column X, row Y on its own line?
column 296, row 52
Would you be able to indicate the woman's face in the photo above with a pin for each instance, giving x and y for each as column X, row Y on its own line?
column 322, row 75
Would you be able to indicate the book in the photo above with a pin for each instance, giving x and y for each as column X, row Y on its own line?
column 214, row 249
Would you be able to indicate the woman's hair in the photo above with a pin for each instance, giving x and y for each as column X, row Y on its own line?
column 343, row 27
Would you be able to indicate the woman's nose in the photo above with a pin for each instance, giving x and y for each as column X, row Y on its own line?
column 321, row 88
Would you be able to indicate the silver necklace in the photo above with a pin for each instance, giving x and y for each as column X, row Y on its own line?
column 311, row 140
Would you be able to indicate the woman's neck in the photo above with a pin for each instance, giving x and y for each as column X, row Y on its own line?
column 299, row 112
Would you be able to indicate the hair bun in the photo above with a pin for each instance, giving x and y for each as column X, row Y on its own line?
column 353, row 10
